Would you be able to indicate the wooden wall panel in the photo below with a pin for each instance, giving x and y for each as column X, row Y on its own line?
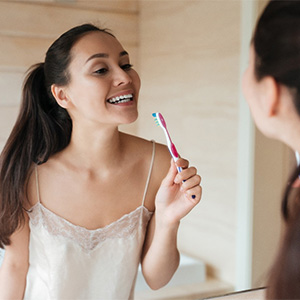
column 8, row 115
column 189, row 53
column 21, row 52
column 10, row 87
column 49, row 21
column 126, row 6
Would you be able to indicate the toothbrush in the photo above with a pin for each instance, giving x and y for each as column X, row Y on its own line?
column 160, row 121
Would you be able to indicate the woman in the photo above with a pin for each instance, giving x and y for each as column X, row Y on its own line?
column 76, row 193
column 271, row 85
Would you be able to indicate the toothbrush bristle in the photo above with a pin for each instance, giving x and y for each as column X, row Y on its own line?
column 155, row 115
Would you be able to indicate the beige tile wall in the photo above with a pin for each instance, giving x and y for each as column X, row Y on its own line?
column 189, row 60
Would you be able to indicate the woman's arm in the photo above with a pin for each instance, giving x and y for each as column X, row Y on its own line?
column 177, row 196
column 160, row 256
column 14, row 267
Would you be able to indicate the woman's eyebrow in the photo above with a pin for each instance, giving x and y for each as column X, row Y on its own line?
column 97, row 55
column 105, row 55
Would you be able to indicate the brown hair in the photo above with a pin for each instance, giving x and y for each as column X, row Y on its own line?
column 41, row 129
column 276, row 42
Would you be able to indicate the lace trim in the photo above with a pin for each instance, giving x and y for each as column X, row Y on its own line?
column 124, row 227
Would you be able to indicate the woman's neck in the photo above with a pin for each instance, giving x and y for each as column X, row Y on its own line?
column 99, row 147
column 289, row 134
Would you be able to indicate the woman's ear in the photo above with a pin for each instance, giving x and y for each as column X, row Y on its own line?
column 60, row 95
column 271, row 95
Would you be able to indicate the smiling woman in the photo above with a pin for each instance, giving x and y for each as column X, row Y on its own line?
column 81, row 202
column 99, row 62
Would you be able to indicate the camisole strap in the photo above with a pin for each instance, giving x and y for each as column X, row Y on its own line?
column 150, row 171
column 37, row 183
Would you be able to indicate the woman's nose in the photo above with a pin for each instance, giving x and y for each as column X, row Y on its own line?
column 121, row 77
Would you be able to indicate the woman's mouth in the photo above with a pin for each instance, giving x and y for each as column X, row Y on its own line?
column 120, row 99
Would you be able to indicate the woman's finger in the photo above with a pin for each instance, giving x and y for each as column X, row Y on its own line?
column 182, row 163
column 190, row 183
column 194, row 194
column 185, row 174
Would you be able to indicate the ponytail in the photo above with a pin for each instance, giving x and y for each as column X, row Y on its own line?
column 41, row 129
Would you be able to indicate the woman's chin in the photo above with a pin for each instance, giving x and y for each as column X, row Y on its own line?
column 130, row 118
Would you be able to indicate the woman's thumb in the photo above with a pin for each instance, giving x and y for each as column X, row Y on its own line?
column 169, row 179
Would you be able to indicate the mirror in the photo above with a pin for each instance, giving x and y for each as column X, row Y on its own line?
column 190, row 56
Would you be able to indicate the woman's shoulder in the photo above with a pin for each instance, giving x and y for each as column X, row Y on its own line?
column 146, row 146
column 31, row 188
column 33, row 181
column 160, row 153
column 146, row 151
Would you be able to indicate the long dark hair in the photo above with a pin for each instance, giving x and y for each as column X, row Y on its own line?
column 41, row 129
column 276, row 42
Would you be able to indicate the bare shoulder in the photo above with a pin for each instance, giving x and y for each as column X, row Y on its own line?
column 162, row 161
column 145, row 147
column 38, row 174
column 31, row 189
column 161, row 164
column 136, row 146
column 163, row 153
column 139, row 143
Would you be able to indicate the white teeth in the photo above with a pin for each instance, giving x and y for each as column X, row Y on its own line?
column 121, row 99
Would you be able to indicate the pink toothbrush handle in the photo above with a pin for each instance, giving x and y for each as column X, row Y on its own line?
column 175, row 155
column 174, row 151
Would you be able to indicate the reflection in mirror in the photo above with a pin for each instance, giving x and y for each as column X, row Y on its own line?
column 190, row 56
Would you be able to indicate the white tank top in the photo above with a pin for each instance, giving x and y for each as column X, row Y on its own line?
column 69, row 262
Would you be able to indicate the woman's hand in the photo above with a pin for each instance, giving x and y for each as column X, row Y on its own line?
column 178, row 194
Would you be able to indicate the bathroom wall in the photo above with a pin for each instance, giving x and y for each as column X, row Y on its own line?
column 189, row 55
column 189, row 59
column 192, row 57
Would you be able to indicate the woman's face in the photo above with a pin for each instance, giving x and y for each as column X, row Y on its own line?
column 103, row 87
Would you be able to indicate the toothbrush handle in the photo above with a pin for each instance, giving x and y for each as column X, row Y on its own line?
column 179, row 170
column 175, row 155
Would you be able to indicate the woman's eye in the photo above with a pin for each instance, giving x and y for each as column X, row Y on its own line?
column 127, row 67
column 101, row 71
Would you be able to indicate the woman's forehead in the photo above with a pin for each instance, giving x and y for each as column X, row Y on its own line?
column 96, row 42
